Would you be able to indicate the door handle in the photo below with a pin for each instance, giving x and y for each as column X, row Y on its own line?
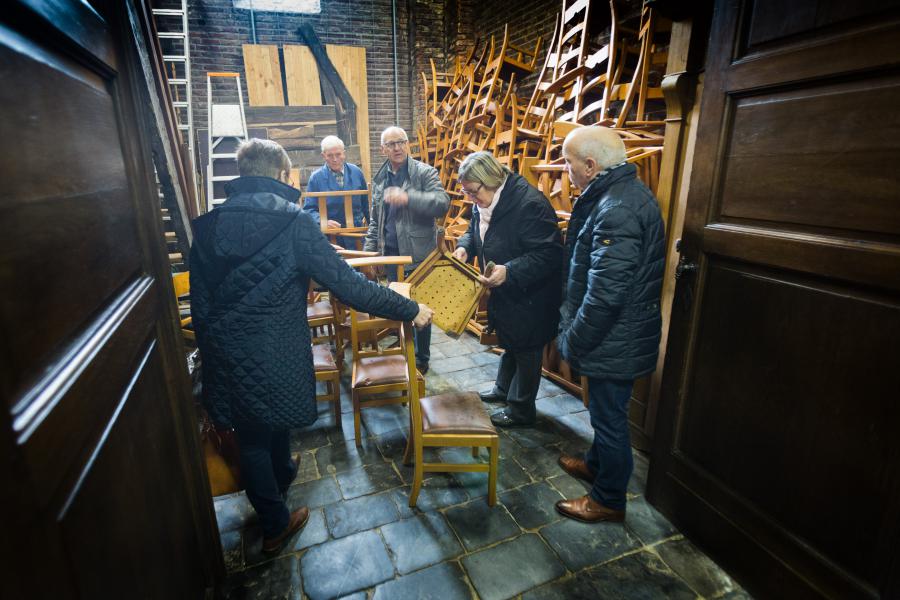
column 684, row 267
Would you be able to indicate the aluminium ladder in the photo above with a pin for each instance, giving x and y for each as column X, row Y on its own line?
column 227, row 128
column 172, row 31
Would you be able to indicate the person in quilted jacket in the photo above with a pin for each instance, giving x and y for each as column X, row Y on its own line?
column 251, row 264
column 610, row 319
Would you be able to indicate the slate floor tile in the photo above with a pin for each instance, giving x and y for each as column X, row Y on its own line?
column 700, row 573
column 577, row 587
column 575, row 427
column 309, row 438
column 444, row 581
column 449, row 365
column 542, row 434
column 580, row 545
column 645, row 521
column 382, row 419
column 232, row 550
column 359, row 514
column 479, row 525
column 313, row 493
column 307, row 469
column 533, row 505
column 234, row 512
column 557, row 406
column 275, row 580
column 450, row 350
column 540, row 463
column 568, row 486
column 497, row 573
column 436, row 492
column 549, row 388
column 510, row 475
column 473, row 379
column 368, row 479
column 638, row 482
column 639, row 576
column 343, row 456
column 339, row 567
column 485, row 358
column 420, row 541
column 356, row 596
column 314, row 533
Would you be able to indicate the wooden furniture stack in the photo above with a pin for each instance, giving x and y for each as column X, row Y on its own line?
column 615, row 84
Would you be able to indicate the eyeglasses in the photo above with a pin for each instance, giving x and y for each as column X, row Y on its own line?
column 394, row 145
column 471, row 193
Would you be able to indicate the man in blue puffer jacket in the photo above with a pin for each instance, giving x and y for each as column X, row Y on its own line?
column 251, row 263
column 610, row 321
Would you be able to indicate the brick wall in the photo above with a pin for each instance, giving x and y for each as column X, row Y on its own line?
column 218, row 30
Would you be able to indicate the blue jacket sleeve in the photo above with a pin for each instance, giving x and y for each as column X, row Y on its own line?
column 615, row 254
column 311, row 205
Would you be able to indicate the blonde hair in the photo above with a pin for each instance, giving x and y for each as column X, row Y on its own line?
column 483, row 168
column 262, row 158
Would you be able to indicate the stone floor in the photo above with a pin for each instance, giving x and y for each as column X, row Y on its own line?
column 363, row 541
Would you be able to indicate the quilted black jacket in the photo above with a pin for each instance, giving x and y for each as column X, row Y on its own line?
column 251, row 264
column 524, row 236
column 610, row 318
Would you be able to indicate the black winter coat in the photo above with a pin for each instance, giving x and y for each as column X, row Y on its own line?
column 610, row 318
column 524, row 237
column 251, row 264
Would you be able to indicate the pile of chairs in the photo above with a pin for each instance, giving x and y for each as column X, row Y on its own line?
column 476, row 105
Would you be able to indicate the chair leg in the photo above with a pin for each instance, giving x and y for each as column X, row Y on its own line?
column 475, row 450
column 335, row 389
column 418, row 473
column 356, row 415
column 410, row 444
column 492, row 473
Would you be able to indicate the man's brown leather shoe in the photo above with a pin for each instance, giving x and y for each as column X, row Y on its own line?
column 297, row 521
column 577, row 468
column 588, row 510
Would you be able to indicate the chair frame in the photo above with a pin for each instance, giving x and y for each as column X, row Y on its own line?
column 332, row 233
column 419, row 440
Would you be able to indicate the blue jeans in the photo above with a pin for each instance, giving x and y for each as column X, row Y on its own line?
column 421, row 337
column 267, row 471
column 610, row 454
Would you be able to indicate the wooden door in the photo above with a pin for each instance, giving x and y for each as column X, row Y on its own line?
column 777, row 447
column 103, row 492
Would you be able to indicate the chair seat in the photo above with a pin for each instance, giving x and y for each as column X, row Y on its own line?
column 456, row 412
column 323, row 359
column 380, row 370
column 319, row 310
column 360, row 316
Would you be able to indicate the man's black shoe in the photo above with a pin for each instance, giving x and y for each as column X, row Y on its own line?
column 423, row 368
column 491, row 397
column 502, row 419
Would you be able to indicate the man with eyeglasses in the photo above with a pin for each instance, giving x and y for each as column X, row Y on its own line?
column 407, row 197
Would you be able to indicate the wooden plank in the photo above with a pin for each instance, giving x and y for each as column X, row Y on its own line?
column 289, row 114
column 301, row 76
column 350, row 62
column 263, row 69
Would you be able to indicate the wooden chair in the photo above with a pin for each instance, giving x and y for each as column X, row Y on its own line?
column 349, row 230
column 381, row 376
column 182, row 284
column 328, row 372
column 452, row 419
column 323, row 324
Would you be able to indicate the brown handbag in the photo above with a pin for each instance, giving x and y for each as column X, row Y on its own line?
column 220, row 450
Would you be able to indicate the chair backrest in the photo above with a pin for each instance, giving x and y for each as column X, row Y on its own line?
column 348, row 195
column 182, row 284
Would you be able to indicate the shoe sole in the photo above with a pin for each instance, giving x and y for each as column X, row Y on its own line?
column 589, row 521
column 514, row 425
column 289, row 537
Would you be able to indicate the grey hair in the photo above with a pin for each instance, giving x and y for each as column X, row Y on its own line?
column 483, row 168
column 262, row 158
column 331, row 141
column 393, row 129
column 600, row 143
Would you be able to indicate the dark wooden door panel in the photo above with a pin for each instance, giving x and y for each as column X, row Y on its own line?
column 101, row 470
column 120, row 525
column 65, row 185
column 777, row 409
column 776, row 444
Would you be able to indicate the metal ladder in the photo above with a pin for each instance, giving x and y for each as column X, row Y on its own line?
column 228, row 127
column 178, row 69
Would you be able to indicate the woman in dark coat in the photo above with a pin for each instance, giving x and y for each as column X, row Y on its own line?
column 514, row 227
